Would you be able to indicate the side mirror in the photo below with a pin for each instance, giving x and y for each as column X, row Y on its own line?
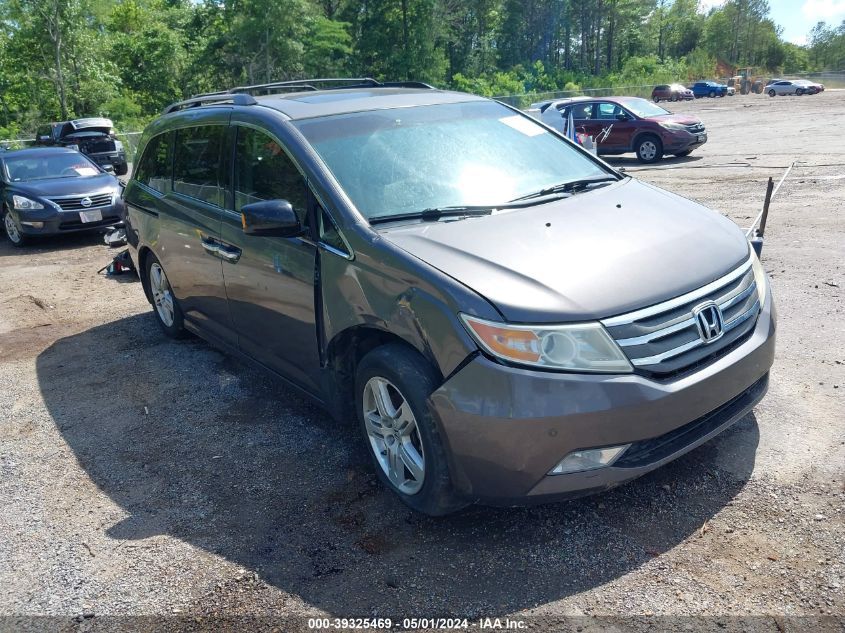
column 272, row 218
column 109, row 169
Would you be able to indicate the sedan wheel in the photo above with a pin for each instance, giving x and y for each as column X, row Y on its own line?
column 394, row 435
column 15, row 236
column 772, row 93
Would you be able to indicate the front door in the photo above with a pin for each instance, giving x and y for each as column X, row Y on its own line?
column 616, row 133
column 270, row 281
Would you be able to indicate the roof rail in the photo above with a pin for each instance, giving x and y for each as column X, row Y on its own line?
column 216, row 97
column 241, row 95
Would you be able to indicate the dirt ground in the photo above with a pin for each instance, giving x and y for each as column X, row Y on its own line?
column 141, row 476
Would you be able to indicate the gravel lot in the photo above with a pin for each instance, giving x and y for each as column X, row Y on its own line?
column 141, row 476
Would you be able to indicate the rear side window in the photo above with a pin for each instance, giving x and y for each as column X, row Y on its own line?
column 154, row 167
column 198, row 167
column 264, row 172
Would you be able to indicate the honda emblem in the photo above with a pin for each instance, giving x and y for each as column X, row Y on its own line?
column 708, row 319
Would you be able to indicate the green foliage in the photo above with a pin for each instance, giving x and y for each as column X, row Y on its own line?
column 128, row 58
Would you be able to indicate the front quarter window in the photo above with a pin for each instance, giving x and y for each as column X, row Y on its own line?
column 406, row 160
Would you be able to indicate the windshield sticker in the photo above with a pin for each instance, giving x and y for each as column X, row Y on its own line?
column 85, row 171
column 521, row 124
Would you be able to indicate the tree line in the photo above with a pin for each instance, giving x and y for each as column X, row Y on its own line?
column 127, row 59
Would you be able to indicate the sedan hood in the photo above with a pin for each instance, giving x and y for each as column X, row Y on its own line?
column 66, row 186
column 591, row 256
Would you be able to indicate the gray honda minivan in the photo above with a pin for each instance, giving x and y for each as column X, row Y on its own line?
column 507, row 318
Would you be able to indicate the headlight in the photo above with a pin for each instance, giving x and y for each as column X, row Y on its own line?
column 582, row 347
column 21, row 203
column 673, row 126
column 759, row 278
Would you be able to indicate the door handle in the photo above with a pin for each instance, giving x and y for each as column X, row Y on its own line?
column 229, row 253
column 210, row 245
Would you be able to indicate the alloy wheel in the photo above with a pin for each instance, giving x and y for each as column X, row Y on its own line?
column 11, row 228
column 394, row 436
column 648, row 150
column 162, row 296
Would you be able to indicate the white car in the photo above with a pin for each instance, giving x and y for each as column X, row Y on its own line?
column 784, row 87
column 731, row 91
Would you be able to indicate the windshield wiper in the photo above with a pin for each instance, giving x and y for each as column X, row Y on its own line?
column 572, row 186
column 434, row 213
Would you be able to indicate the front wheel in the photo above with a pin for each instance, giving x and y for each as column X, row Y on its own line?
column 392, row 385
column 772, row 93
column 165, row 307
column 13, row 231
column 649, row 149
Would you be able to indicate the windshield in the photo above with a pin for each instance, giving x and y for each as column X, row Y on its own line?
column 643, row 108
column 26, row 168
column 406, row 160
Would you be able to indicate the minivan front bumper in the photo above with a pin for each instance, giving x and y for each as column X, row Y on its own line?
column 506, row 427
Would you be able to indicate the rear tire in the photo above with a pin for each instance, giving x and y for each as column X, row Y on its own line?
column 392, row 386
column 13, row 230
column 121, row 170
column 649, row 149
column 712, row 94
column 799, row 92
column 165, row 307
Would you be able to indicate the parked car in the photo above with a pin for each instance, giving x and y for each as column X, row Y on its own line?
column 784, row 87
column 54, row 190
column 708, row 89
column 809, row 87
column 94, row 137
column 625, row 124
column 508, row 319
column 671, row 92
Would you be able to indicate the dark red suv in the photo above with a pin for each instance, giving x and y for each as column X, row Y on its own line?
column 620, row 125
column 671, row 92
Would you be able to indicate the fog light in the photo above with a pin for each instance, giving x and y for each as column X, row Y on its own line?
column 590, row 459
column 35, row 225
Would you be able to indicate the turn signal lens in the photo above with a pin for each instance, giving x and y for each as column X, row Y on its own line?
column 578, row 347
column 759, row 278
column 506, row 342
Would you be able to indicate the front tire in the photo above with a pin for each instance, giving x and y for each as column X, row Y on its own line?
column 649, row 149
column 13, row 231
column 772, row 93
column 166, row 309
column 392, row 387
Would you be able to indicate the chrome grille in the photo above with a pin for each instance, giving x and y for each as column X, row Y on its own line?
column 75, row 204
column 695, row 128
column 665, row 339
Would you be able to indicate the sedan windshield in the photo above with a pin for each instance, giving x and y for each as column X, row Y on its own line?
column 644, row 109
column 409, row 160
column 42, row 167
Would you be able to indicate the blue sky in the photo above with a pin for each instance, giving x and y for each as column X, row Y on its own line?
column 797, row 17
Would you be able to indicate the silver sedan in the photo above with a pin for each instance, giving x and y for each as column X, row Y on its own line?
column 784, row 87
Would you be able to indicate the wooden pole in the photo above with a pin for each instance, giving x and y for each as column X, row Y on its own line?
column 765, row 214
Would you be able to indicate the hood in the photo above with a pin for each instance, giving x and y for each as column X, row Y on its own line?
column 683, row 119
column 65, row 186
column 591, row 256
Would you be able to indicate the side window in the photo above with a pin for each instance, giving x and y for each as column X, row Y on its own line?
column 264, row 172
column 197, row 163
column 154, row 167
column 329, row 234
column 582, row 111
column 608, row 111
